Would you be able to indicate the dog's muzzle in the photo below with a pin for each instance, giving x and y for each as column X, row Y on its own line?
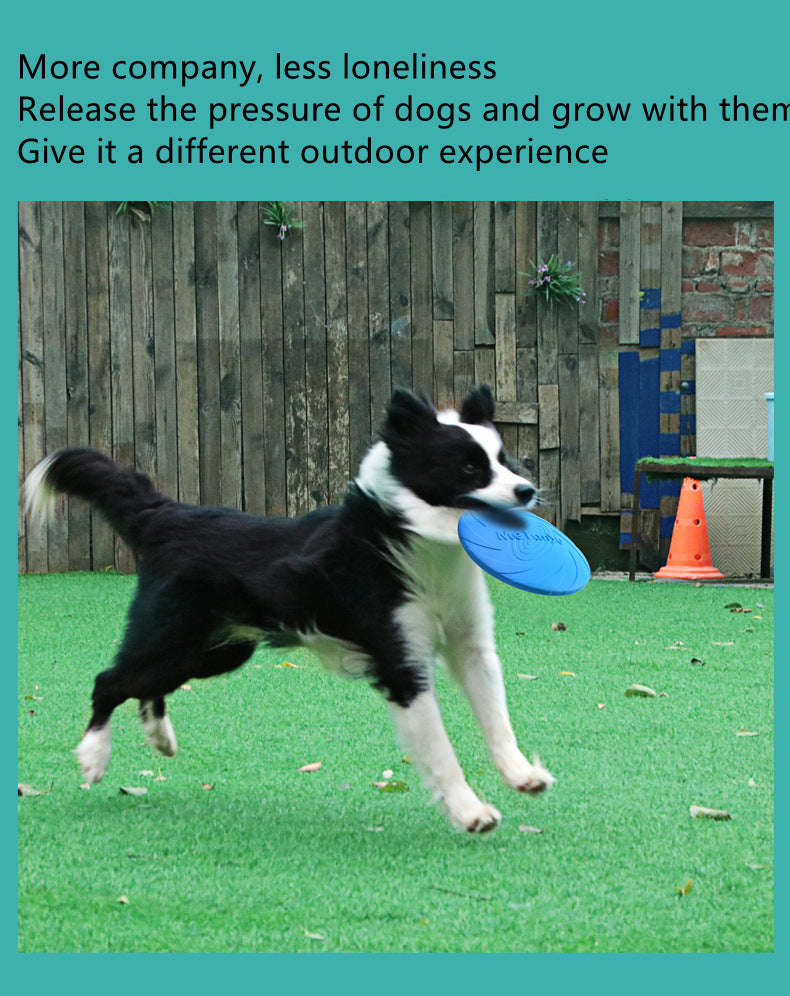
column 507, row 518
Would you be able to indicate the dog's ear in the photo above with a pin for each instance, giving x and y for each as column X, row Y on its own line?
column 478, row 406
column 407, row 415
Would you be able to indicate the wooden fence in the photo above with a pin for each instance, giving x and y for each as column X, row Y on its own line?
column 240, row 370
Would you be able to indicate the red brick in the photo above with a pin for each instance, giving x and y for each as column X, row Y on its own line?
column 765, row 233
column 608, row 263
column 693, row 261
column 744, row 234
column 740, row 330
column 761, row 308
column 708, row 232
column 740, row 264
column 707, row 287
column 611, row 310
column 705, row 308
column 764, row 265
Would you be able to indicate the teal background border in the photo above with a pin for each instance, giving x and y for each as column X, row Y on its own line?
column 567, row 51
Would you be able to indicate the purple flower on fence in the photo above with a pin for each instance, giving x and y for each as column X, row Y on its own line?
column 277, row 214
column 556, row 281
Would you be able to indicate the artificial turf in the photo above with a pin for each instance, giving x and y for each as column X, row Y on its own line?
column 233, row 849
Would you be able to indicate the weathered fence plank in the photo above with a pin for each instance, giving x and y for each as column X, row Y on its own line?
column 208, row 377
column 272, row 319
column 186, row 376
column 337, row 348
column 242, row 369
column 229, row 350
column 630, row 250
column 253, row 466
column 314, row 282
column 163, row 340
column 33, row 553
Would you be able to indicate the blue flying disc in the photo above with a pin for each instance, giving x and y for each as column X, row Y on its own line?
column 537, row 558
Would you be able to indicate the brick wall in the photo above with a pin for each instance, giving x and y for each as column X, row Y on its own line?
column 727, row 270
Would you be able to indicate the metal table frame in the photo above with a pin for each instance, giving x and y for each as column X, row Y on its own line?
column 701, row 469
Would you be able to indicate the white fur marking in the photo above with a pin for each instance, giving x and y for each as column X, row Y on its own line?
column 420, row 728
column 422, row 733
column 470, row 651
column 159, row 732
column 39, row 496
column 93, row 753
column 501, row 490
column 336, row 655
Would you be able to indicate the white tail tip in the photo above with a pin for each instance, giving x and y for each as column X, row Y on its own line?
column 39, row 496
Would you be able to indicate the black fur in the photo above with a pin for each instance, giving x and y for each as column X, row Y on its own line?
column 213, row 582
column 205, row 572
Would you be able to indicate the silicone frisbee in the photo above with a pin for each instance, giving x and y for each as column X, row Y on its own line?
column 537, row 558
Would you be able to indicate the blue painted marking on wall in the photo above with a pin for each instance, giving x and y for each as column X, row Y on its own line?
column 670, row 444
column 651, row 299
column 628, row 379
column 641, row 404
column 649, row 337
column 647, row 413
column 671, row 321
column 670, row 359
column 688, row 425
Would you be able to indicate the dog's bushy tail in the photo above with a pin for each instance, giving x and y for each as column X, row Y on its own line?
column 122, row 496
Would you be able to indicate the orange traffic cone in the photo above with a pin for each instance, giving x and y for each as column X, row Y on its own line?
column 689, row 551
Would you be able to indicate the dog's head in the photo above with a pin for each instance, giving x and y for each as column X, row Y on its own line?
column 452, row 459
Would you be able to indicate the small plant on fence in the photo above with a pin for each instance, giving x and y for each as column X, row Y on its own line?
column 142, row 210
column 556, row 281
column 277, row 214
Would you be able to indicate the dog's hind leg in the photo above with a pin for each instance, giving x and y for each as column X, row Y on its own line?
column 95, row 748
column 153, row 712
column 157, row 726
column 154, row 659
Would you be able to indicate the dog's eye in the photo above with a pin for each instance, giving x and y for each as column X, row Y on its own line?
column 469, row 470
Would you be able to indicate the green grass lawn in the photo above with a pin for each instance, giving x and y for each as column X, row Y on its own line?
column 232, row 849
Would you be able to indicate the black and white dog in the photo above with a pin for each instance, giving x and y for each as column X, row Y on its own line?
column 378, row 586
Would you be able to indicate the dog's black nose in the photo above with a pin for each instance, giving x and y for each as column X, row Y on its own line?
column 523, row 493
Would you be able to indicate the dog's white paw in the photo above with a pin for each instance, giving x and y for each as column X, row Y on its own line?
column 519, row 774
column 467, row 812
column 535, row 779
column 486, row 818
column 93, row 752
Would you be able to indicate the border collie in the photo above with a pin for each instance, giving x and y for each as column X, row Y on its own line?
column 378, row 586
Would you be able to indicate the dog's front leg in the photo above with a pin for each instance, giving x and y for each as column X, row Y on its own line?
column 422, row 733
column 473, row 661
column 479, row 673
